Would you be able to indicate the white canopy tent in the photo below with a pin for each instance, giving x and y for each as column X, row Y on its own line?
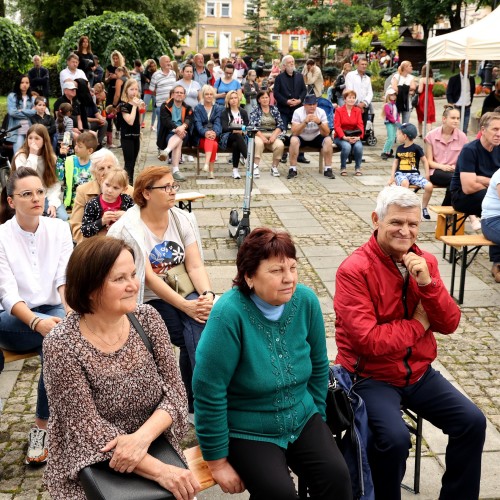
column 477, row 42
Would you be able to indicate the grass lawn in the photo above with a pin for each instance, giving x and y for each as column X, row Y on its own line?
column 3, row 107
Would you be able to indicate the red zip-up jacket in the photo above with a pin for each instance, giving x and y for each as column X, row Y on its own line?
column 375, row 333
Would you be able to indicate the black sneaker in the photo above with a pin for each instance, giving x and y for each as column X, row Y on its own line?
column 302, row 159
column 329, row 173
column 384, row 156
column 284, row 158
column 291, row 173
column 425, row 214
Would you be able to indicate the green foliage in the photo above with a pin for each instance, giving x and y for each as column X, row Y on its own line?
column 173, row 19
column 374, row 67
column 257, row 40
column 130, row 33
column 297, row 54
column 330, row 71
column 18, row 46
column 439, row 90
column 361, row 42
column 388, row 35
column 378, row 83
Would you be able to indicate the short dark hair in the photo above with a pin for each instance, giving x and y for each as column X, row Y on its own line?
column 88, row 267
column 262, row 92
column 145, row 180
column 262, row 243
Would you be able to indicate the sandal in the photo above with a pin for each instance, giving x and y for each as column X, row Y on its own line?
column 358, row 173
column 343, row 172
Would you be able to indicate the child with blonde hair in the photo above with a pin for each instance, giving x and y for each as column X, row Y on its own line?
column 103, row 210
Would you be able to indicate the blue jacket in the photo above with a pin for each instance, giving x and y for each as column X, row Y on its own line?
column 353, row 445
column 201, row 121
column 16, row 114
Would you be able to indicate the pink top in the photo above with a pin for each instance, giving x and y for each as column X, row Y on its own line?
column 445, row 152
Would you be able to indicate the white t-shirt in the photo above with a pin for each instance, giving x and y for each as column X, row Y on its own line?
column 312, row 129
column 192, row 90
column 168, row 251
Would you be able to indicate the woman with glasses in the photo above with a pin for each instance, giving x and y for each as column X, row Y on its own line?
column 163, row 237
column 225, row 84
column 34, row 252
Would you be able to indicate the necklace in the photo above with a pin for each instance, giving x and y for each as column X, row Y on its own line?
column 100, row 338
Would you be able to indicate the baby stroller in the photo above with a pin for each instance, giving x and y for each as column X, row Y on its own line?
column 369, row 137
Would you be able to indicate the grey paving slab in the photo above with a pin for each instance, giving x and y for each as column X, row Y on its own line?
column 321, row 251
column 221, row 277
column 331, row 262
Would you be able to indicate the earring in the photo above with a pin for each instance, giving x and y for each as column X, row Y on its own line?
column 249, row 284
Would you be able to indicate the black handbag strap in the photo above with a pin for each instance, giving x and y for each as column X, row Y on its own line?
column 140, row 331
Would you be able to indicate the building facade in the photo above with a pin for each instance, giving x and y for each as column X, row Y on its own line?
column 221, row 26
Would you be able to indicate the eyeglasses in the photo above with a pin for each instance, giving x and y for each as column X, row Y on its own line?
column 26, row 195
column 167, row 187
column 228, row 73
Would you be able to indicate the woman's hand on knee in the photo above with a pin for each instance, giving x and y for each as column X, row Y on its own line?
column 225, row 476
column 129, row 450
column 44, row 326
column 181, row 482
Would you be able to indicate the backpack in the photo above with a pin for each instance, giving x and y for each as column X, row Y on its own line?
column 328, row 108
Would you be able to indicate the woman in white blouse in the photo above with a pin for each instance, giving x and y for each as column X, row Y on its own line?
column 34, row 252
column 405, row 85
column 37, row 153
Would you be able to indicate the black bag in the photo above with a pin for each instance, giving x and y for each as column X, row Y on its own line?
column 339, row 414
column 100, row 482
column 352, row 133
column 414, row 100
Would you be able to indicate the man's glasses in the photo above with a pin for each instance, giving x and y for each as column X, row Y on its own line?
column 26, row 195
column 167, row 187
column 229, row 73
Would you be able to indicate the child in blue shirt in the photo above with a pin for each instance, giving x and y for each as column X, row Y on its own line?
column 74, row 170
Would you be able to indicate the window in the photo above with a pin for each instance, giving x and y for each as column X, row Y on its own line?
column 225, row 9
column 226, row 37
column 276, row 41
column 210, row 39
column 249, row 8
column 210, row 9
column 294, row 42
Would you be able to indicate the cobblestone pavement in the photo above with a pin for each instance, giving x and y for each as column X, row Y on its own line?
column 328, row 219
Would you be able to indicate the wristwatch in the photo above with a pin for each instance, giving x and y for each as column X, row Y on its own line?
column 209, row 291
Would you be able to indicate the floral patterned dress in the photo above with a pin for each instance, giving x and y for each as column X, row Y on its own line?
column 95, row 396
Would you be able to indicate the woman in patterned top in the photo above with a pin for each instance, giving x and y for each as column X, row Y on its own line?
column 109, row 398
column 104, row 210
column 261, row 379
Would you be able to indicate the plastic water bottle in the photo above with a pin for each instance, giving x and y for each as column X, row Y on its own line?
column 243, row 128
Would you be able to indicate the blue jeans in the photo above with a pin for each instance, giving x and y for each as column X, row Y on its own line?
column 18, row 337
column 435, row 400
column 20, row 141
column 466, row 117
column 345, row 150
column 147, row 99
column 491, row 230
column 185, row 333
column 60, row 210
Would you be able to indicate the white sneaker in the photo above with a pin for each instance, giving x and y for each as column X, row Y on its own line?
column 256, row 171
column 206, row 167
column 163, row 155
column 190, row 158
column 475, row 222
column 38, row 450
column 236, row 175
column 275, row 172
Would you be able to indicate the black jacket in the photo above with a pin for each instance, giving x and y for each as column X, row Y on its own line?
column 454, row 88
column 289, row 87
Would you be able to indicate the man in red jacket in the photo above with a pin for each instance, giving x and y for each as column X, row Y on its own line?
column 389, row 301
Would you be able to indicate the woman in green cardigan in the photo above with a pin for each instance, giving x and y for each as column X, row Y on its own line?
column 261, row 378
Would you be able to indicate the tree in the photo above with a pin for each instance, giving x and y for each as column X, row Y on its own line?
column 131, row 34
column 173, row 19
column 256, row 41
column 18, row 46
column 389, row 34
column 326, row 23
column 361, row 42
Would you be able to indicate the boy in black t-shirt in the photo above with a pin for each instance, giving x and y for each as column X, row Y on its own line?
column 405, row 170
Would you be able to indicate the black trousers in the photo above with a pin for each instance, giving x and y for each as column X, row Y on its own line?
column 442, row 179
column 237, row 143
column 314, row 457
column 469, row 204
column 130, row 148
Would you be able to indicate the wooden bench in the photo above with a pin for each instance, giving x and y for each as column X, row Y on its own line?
column 195, row 152
column 16, row 356
column 184, row 200
column 449, row 223
column 199, row 467
column 464, row 249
